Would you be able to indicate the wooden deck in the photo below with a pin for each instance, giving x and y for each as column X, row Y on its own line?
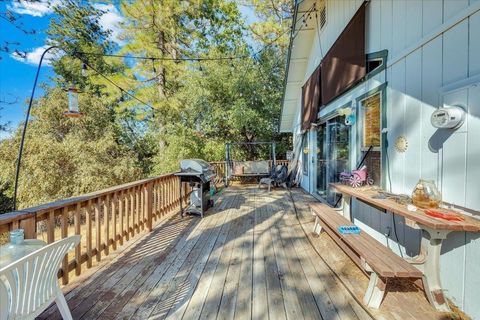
column 250, row 257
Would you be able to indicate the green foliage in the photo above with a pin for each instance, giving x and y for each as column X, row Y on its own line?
column 75, row 28
column 193, row 109
column 183, row 143
column 65, row 157
column 6, row 202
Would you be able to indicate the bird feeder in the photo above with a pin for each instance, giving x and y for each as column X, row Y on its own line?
column 73, row 111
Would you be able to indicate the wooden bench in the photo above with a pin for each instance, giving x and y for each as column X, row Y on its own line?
column 369, row 254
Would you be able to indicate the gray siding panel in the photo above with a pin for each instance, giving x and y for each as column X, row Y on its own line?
column 416, row 87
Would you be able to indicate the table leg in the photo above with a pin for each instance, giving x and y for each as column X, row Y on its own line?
column 432, row 245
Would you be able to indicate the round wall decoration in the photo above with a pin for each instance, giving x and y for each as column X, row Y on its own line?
column 401, row 144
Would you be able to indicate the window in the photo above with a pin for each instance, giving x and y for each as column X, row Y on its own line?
column 371, row 113
column 371, row 117
column 305, row 152
column 376, row 63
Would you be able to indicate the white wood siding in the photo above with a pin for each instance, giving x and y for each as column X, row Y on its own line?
column 414, row 91
column 433, row 58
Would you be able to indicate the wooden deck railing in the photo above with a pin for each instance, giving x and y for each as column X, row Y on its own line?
column 220, row 166
column 105, row 218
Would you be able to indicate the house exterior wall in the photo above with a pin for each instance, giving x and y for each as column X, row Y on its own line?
column 433, row 58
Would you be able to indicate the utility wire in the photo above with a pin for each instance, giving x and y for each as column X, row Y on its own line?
column 161, row 58
column 114, row 84
column 80, row 54
column 153, row 58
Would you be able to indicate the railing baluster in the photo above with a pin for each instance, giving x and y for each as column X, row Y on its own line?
column 149, row 206
column 121, row 206
column 155, row 194
column 88, row 216
column 97, row 229
column 164, row 193
column 78, row 248
column 169, row 190
column 141, row 191
column 131, row 213
column 64, row 231
column 137, row 210
column 114, row 220
column 106, row 222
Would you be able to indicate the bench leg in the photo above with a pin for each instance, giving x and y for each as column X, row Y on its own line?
column 375, row 291
column 317, row 228
column 346, row 207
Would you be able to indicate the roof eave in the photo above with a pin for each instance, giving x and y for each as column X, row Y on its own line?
column 287, row 67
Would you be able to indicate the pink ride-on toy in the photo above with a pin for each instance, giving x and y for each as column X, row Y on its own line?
column 356, row 178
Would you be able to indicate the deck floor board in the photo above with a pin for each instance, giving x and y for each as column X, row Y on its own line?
column 251, row 257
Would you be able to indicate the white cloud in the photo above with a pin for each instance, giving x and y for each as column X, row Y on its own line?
column 36, row 8
column 33, row 57
column 110, row 20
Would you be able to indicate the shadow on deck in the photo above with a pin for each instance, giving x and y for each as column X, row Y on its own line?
column 250, row 257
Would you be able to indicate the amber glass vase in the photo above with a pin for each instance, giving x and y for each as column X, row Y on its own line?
column 426, row 195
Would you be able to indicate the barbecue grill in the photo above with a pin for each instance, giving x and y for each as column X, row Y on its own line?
column 198, row 174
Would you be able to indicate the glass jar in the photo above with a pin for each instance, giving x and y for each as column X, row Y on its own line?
column 426, row 195
column 17, row 236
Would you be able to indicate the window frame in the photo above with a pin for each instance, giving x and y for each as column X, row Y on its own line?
column 382, row 89
column 376, row 56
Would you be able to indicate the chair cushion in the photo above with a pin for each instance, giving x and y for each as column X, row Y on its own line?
column 259, row 167
column 239, row 169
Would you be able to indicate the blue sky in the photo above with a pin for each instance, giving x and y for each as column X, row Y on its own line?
column 16, row 74
column 16, row 78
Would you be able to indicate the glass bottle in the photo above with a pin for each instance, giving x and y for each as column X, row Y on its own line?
column 17, row 236
column 426, row 195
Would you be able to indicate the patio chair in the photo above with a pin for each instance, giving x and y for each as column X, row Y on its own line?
column 277, row 178
column 29, row 285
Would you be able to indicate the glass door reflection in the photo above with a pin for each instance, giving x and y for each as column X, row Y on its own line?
column 332, row 156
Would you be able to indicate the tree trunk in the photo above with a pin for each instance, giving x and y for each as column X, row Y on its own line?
column 161, row 76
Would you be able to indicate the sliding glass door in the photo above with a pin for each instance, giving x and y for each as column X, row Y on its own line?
column 333, row 155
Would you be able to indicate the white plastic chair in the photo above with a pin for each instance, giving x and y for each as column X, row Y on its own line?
column 28, row 286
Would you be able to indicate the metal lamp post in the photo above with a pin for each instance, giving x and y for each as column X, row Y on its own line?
column 72, row 112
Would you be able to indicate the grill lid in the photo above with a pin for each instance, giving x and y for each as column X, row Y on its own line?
column 196, row 167
column 199, row 165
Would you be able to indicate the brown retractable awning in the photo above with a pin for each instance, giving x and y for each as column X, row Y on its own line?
column 344, row 64
column 311, row 95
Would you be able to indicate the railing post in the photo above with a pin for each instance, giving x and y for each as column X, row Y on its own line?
column 149, row 206
column 78, row 248
column 29, row 226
